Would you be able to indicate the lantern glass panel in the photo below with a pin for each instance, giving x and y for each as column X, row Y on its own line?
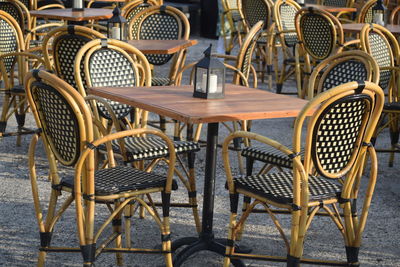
column 201, row 80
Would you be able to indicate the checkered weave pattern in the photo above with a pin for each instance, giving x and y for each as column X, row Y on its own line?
column 336, row 133
column 245, row 68
column 160, row 81
column 59, row 123
column 269, row 155
column 108, row 67
column 347, row 71
column 122, row 179
column 66, row 48
column 339, row 3
column 12, row 9
column 159, row 26
column 317, row 35
column 8, row 43
column 132, row 14
column 369, row 17
column 254, row 11
column 145, row 148
column 287, row 13
column 382, row 53
column 26, row 3
column 278, row 187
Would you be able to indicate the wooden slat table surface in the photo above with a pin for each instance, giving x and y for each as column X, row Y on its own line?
column 68, row 14
column 161, row 46
column 356, row 28
column 177, row 102
column 333, row 9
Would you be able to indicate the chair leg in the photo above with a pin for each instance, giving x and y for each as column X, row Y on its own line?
column 246, row 199
column 352, row 256
column 292, row 261
column 166, row 233
column 88, row 253
column 41, row 259
column 230, row 246
column 394, row 137
column 116, row 224
column 192, row 191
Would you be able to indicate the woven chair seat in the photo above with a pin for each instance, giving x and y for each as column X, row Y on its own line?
column 18, row 89
column 269, row 155
column 122, row 179
column 392, row 106
column 160, row 81
column 142, row 148
column 278, row 187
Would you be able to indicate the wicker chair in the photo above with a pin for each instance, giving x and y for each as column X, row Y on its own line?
column 115, row 63
column 384, row 48
column 320, row 35
column 13, row 66
column 19, row 12
column 253, row 11
column 395, row 16
column 66, row 128
column 366, row 14
column 327, row 179
column 231, row 25
column 284, row 12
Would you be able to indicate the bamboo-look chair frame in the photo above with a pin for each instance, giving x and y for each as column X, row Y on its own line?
column 395, row 16
column 143, row 78
column 51, row 53
column 350, row 225
column 339, row 15
column 23, row 15
column 14, row 101
column 282, row 31
column 365, row 15
column 84, row 190
column 337, row 43
column 131, row 9
column 393, row 84
column 233, row 17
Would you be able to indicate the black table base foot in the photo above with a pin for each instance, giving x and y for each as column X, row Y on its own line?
column 195, row 244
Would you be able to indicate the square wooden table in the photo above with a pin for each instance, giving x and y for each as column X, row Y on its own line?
column 356, row 28
column 333, row 9
column 161, row 46
column 177, row 102
column 74, row 16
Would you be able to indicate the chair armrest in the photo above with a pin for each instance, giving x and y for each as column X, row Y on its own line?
column 228, row 57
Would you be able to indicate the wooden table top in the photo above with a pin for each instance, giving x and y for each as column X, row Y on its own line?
column 68, row 14
column 177, row 102
column 333, row 9
column 161, row 46
column 356, row 28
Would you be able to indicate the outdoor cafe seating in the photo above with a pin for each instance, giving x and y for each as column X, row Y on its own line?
column 109, row 113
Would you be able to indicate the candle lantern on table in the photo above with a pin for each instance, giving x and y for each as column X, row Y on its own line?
column 116, row 25
column 77, row 5
column 209, row 79
column 379, row 12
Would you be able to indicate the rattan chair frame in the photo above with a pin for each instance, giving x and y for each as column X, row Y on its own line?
column 142, row 68
column 281, row 73
column 395, row 16
column 84, row 193
column 392, row 90
column 231, row 15
column 21, row 15
column 303, row 210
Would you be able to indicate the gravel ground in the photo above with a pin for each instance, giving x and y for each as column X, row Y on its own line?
column 19, row 234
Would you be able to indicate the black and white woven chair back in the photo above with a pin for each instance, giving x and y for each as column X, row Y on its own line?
column 337, row 134
column 59, row 122
column 369, row 16
column 344, row 72
column 382, row 53
column 248, row 52
column 287, row 13
column 27, row 3
column 15, row 11
column 65, row 48
column 109, row 67
column 132, row 13
column 160, row 26
column 8, row 42
column 318, row 34
column 338, row 3
column 254, row 11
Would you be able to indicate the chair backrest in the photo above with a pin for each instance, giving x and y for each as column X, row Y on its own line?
column 131, row 9
column 320, row 33
column 340, row 128
column 338, row 3
column 244, row 57
column 65, row 43
column 160, row 23
column 11, row 39
column 62, row 115
column 255, row 10
column 366, row 15
column 15, row 9
column 384, row 48
column 395, row 16
column 109, row 62
column 284, row 12
column 341, row 68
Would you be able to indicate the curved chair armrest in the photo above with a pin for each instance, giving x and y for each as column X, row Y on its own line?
column 228, row 57
column 34, row 31
column 348, row 44
column 244, row 79
column 257, row 137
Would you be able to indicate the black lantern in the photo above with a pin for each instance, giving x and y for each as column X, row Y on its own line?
column 116, row 25
column 77, row 5
column 379, row 12
column 209, row 79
